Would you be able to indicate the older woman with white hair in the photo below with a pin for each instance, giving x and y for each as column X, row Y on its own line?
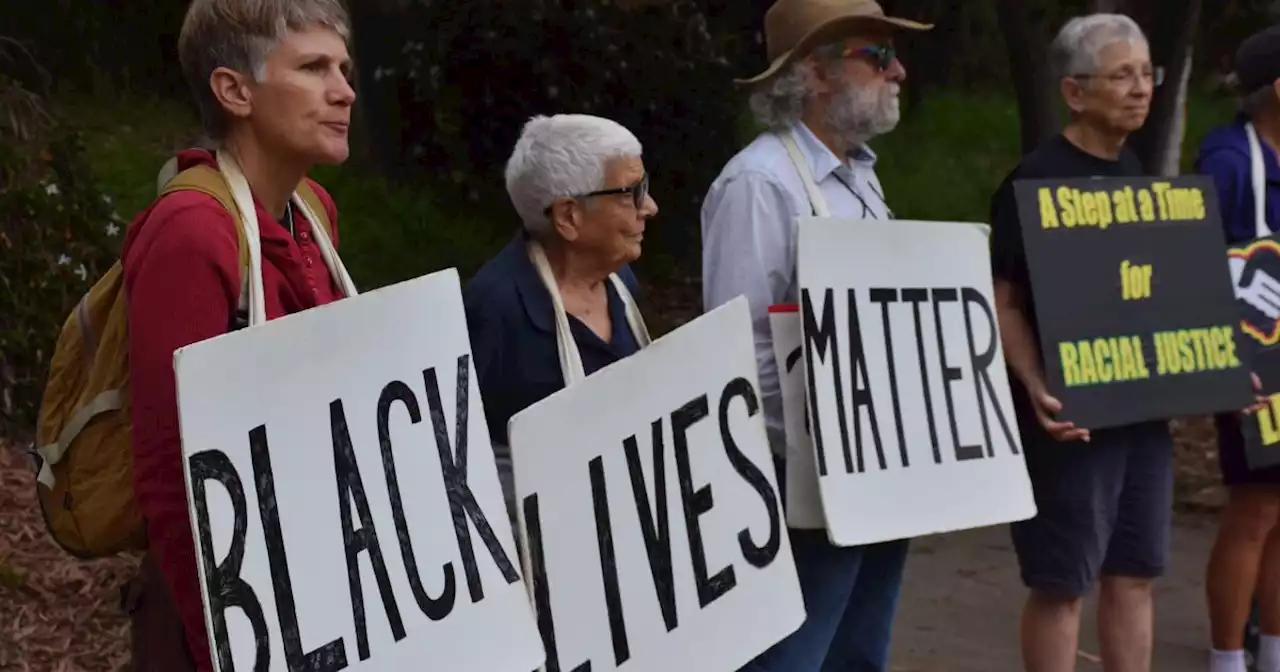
column 556, row 304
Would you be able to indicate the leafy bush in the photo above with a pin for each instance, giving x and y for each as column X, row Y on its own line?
column 475, row 75
column 58, row 233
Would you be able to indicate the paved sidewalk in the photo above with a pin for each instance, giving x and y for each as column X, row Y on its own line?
column 962, row 599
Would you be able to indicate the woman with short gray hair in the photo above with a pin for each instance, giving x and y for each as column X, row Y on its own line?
column 271, row 81
column 556, row 304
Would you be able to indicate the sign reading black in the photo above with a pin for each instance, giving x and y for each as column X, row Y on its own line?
column 1136, row 316
column 1255, row 277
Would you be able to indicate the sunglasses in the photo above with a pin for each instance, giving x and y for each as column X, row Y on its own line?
column 637, row 191
column 882, row 56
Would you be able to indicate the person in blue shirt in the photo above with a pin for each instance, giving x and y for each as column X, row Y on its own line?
column 557, row 302
column 1246, row 555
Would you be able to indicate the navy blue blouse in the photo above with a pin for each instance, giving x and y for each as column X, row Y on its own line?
column 513, row 335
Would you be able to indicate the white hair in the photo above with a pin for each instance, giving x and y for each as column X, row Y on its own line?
column 1077, row 48
column 562, row 155
column 780, row 100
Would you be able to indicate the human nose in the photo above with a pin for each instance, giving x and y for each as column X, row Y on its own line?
column 896, row 72
column 1142, row 85
column 342, row 92
column 650, row 207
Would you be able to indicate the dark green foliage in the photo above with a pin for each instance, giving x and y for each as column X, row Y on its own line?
column 58, row 233
column 478, row 71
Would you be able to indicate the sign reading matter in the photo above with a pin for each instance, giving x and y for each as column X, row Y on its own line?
column 653, row 533
column 1134, row 309
column 344, row 498
column 909, row 405
column 1255, row 278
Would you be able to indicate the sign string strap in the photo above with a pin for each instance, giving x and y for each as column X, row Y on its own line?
column 251, row 292
column 251, row 296
column 570, row 358
column 1258, row 175
column 337, row 270
column 816, row 200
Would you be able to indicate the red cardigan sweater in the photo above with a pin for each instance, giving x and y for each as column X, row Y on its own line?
column 182, row 281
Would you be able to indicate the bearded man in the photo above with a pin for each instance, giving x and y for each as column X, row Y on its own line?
column 831, row 87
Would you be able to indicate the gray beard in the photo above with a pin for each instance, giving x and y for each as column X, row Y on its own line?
column 856, row 114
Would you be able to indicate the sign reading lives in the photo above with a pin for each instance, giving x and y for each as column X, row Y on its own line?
column 1135, row 324
column 1255, row 276
column 911, row 417
column 652, row 526
column 344, row 498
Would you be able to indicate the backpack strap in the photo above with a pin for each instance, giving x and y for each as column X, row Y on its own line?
column 209, row 181
column 313, row 209
column 309, row 196
column 213, row 182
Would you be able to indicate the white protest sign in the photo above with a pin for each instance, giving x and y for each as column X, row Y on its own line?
column 343, row 493
column 652, row 530
column 803, row 503
column 912, row 418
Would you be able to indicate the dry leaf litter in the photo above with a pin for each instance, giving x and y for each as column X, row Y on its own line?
column 57, row 613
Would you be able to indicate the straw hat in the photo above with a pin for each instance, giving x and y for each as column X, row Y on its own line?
column 793, row 27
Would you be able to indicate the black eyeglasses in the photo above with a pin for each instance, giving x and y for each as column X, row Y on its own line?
column 638, row 192
column 882, row 55
column 1153, row 76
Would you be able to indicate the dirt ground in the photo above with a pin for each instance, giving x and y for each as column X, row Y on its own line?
column 962, row 599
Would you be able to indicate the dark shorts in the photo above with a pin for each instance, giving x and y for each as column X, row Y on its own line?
column 1231, row 456
column 1105, row 508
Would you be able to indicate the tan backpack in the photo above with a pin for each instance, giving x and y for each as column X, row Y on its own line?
column 83, row 435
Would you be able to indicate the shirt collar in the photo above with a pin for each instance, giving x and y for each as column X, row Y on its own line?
column 822, row 161
column 533, row 293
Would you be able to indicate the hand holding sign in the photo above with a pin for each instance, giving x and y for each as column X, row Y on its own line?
column 1047, row 407
column 1260, row 400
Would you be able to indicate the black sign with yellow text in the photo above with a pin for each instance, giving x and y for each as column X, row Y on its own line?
column 1255, row 278
column 1135, row 311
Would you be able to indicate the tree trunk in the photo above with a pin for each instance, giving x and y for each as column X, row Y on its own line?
column 1171, row 33
column 376, row 125
column 1170, row 162
column 1024, row 41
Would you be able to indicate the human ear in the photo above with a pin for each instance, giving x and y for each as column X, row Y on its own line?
column 1072, row 93
column 566, row 219
column 231, row 89
column 815, row 76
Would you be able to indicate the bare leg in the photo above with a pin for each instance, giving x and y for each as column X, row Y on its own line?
column 1268, row 591
column 1244, row 530
column 1050, row 632
column 1126, row 624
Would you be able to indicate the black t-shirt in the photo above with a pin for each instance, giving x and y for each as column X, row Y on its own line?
column 1057, row 157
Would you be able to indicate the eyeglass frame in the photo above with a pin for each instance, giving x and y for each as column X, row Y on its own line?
column 1131, row 78
column 639, row 191
column 883, row 55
